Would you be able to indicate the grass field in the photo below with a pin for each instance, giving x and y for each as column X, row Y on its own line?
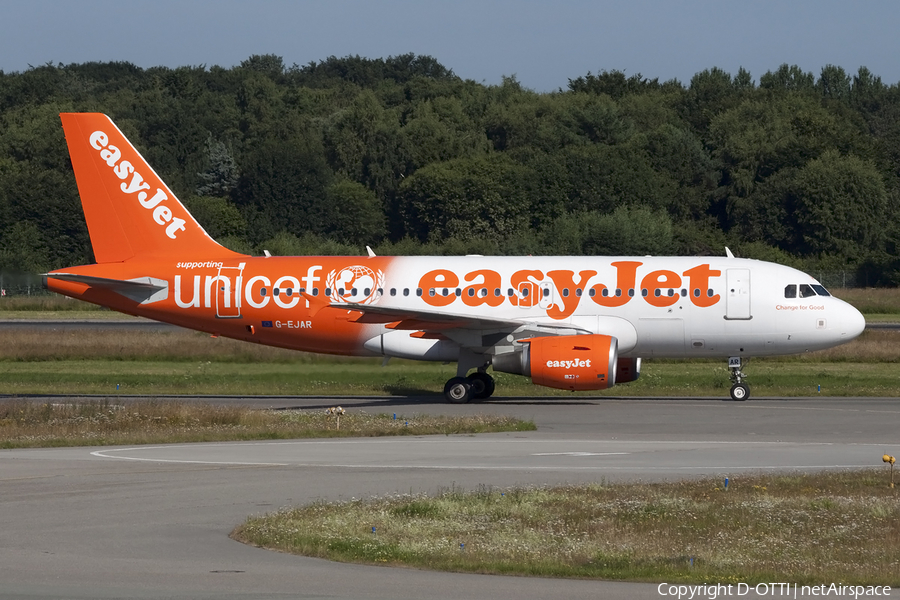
column 805, row 529
column 369, row 378
column 102, row 422
column 184, row 362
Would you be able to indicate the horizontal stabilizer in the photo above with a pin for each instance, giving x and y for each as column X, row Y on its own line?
column 144, row 290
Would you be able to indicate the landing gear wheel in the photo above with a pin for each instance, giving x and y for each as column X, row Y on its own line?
column 740, row 391
column 458, row 390
column 481, row 385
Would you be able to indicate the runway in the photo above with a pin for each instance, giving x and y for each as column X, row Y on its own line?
column 153, row 522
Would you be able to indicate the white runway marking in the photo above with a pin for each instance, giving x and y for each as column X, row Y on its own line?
column 103, row 454
column 580, row 453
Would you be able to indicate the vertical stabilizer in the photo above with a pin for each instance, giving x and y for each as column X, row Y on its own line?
column 130, row 211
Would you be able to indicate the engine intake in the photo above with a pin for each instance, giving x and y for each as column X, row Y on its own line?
column 568, row 362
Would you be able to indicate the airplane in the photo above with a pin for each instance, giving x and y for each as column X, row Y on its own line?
column 567, row 322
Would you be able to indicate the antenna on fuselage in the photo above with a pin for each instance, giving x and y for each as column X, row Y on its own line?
column 728, row 253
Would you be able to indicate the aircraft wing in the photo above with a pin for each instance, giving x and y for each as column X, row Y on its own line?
column 479, row 333
column 426, row 320
column 143, row 289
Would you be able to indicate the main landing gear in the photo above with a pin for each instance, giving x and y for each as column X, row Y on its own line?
column 477, row 386
column 739, row 389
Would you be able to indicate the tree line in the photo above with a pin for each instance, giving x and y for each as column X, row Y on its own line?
column 403, row 155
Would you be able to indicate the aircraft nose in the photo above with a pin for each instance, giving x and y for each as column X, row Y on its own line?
column 852, row 322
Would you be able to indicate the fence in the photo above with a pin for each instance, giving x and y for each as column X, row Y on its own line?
column 21, row 284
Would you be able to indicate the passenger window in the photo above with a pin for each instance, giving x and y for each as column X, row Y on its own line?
column 276, row 291
column 592, row 292
column 262, row 291
column 328, row 292
column 631, row 293
column 484, row 292
column 289, row 292
column 790, row 291
column 618, row 292
column 806, row 291
column 315, row 291
column 604, row 293
column 644, row 292
column 393, row 291
column 696, row 292
column 565, row 292
column 406, row 292
column 341, row 291
column 419, row 292
column 510, row 292
column 458, row 292
column 367, row 292
column 578, row 292
column 497, row 292
column 471, row 292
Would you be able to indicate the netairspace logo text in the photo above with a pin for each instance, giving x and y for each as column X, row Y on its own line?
column 787, row 590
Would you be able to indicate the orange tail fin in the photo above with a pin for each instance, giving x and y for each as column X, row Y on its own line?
column 130, row 212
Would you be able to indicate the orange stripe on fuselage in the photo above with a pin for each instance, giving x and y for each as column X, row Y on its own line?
column 220, row 297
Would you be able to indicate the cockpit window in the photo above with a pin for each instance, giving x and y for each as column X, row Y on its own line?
column 806, row 291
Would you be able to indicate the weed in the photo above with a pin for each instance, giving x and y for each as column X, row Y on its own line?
column 803, row 528
column 26, row 424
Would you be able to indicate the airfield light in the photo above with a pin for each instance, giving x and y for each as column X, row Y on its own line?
column 337, row 411
column 890, row 460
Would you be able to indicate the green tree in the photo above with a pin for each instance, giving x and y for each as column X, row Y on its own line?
column 221, row 176
column 834, row 83
column 218, row 216
column 23, row 249
column 466, row 198
column 354, row 214
column 840, row 204
column 628, row 230
column 788, row 78
column 282, row 185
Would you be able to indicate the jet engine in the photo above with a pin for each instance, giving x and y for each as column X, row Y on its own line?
column 628, row 369
column 568, row 362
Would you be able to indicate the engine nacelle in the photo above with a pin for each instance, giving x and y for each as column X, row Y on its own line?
column 568, row 362
column 628, row 369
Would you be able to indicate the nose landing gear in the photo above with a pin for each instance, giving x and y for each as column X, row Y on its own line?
column 739, row 389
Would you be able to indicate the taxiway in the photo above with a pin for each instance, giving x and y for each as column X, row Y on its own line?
column 153, row 522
